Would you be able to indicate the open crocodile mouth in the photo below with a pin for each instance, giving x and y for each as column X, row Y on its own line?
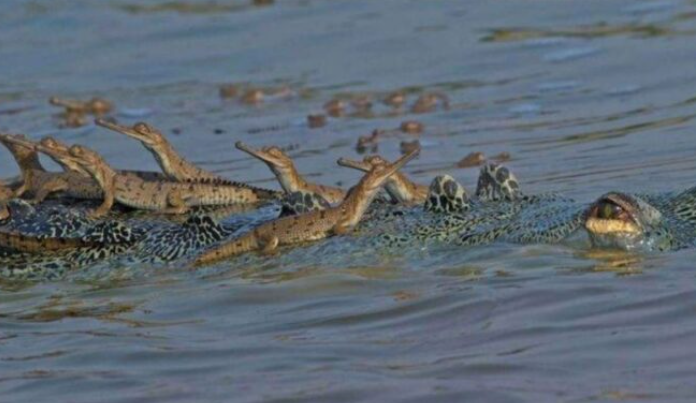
column 612, row 215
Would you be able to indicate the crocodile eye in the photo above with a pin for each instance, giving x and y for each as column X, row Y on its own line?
column 142, row 127
column 274, row 151
column 609, row 211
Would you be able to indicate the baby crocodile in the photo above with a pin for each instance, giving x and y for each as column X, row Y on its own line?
column 173, row 165
column 399, row 187
column 73, row 182
column 169, row 197
column 290, row 180
column 39, row 182
column 313, row 225
column 665, row 221
column 56, row 151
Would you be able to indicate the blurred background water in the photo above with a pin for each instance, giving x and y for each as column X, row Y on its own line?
column 585, row 96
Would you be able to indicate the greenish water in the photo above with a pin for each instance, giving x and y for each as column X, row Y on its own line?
column 586, row 96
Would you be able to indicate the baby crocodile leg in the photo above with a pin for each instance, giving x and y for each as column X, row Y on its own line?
column 311, row 226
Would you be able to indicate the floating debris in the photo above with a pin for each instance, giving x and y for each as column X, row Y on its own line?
column 95, row 106
column 368, row 143
column 75, row 114
column 411, row 127
column 472, row 160
column 502, row 157
column 229, row 91
column 316, row 120
column 409, row 146
column 335, row 108
column 395, row 100
column 253, row 97
column 429, row 101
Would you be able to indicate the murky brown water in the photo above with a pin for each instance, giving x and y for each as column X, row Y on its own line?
column 586, row 96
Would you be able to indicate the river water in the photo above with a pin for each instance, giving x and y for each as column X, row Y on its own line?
column 586, row 97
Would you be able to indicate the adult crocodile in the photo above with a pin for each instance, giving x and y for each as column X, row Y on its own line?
column 499, row 211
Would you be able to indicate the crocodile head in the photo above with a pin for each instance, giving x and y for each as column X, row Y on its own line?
column 361, row 195
column 92, row 163
column 627, row 222
column 151, row 138
column 496, row 183
column 23, row 150
column 399, row 187
column 381, row 171
column 57, row 151
column 278, row 162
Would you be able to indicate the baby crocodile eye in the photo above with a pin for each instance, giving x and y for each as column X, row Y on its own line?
column 608, row 211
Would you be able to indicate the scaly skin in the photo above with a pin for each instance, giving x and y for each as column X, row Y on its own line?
column 313, row 225
column 48, row 228
column 399, row 187
column 168, row 197
column 25, row 243
column 41, row 183
column 111, row 239
column 173, row 165
column 290, row 180
column 500, row 212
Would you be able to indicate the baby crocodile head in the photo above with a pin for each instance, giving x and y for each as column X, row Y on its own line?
column 92, row 163
column 151, row 138
column 399, row 187
column 627, row 222
column 281, row 165
column 22, row 150
column 57, row 151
